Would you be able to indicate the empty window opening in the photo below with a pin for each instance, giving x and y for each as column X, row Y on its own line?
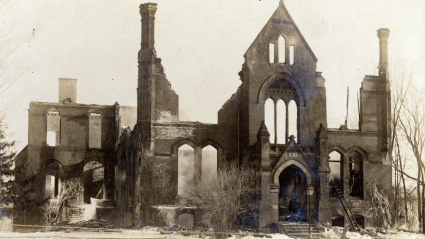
column 356, row 175
column 271, row 53
column 292, row 118
column 53, row 128
column 93, row 179
column 51, row 189
column 209, row 163
column 269, row 119
column 336, row 175
column 51, row 138
column 282, row 47
column 280, row 117
column 95, row 131
column 291, row 54
column 186, row 169
column 52, row 183
column 281, row 122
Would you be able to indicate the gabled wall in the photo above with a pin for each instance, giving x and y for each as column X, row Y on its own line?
column 261, row 73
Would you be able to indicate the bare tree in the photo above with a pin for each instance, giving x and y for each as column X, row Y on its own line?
column 408, row 136
column 223, row 200
column 412, row 126
column 400, row 85
column 70, row 188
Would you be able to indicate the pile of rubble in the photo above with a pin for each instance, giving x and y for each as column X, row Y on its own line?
column 88, row 225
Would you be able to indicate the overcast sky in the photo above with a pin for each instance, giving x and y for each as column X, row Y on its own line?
column 201, row 44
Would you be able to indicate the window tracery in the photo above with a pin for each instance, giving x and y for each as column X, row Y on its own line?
column 281, row 120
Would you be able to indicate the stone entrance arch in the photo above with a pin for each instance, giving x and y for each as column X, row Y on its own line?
column 292, row 194
column 304, row 176
column 284, row 165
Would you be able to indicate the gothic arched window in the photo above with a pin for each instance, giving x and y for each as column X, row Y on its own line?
column 292, row 118
column 281, row 112
column 209, row 163
column 186, row 167
column 282, row 48
column 356, row 175
column 269, row 118
column 337, row 172
column 281, row 118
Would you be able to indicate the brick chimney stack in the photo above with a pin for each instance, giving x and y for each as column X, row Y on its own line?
column 385, row 104
column 154, row 94
column 383, row 35
column 148, row 11
column 146, row 60
column 147, row 77
column 67, row 89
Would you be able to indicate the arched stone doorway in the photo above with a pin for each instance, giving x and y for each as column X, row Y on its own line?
column 292, row 194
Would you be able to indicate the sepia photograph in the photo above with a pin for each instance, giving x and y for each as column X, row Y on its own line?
column 212, row 119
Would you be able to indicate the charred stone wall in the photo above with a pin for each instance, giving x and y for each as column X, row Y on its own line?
column 74, row 133
column 375, row 168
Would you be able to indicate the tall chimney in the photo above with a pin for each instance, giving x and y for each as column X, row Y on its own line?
column 148, row 11
column 67, row 89
column 385, row 105
column 383, row 35
column 147, row 74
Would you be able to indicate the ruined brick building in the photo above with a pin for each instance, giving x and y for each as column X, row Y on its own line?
column 277, row 117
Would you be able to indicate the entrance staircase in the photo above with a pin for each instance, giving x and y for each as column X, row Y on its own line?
column 347, row 209
column 297, row 229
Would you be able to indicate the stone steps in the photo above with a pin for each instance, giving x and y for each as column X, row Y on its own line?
column 296, row 229
column 304, row 235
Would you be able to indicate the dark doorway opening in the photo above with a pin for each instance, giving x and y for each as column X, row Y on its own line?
column 292, row 194
column 338, row 221
column 359, row 220
column 93, row 181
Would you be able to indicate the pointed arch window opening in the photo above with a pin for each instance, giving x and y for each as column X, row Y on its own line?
column 292, row 113
column 186, row 169
column 281, row 116
column 336, row 164
column 355, row 170
column 281, row 49
column 279, row 52
column 209, row 163
column 281, row 112
column 269, row 112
